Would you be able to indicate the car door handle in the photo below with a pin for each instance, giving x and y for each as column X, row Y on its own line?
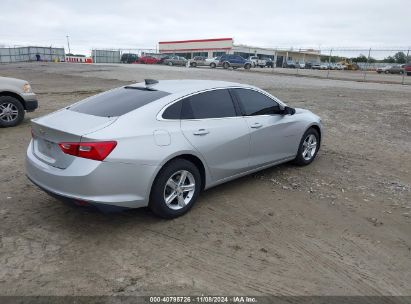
column 256, row 125
column 201, row 132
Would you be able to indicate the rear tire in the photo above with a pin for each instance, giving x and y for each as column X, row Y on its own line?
column 308, row 148
column 194, row 64
column 247, row 66
column 169, row 184
column 11, row 111
column 213, row 65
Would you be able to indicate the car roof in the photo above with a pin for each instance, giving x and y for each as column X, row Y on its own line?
column 190, row 85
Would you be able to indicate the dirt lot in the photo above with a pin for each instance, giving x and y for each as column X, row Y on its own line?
column 341, row 226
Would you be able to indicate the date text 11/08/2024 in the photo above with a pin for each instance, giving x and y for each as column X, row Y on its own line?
column 203, row 299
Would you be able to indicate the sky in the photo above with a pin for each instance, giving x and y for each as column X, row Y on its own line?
column 136, row 24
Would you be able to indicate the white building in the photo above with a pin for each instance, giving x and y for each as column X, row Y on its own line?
column 219, row 46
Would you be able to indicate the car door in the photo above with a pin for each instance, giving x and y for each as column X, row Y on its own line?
column 215, row 128
column 273, row 136
column 238, row 61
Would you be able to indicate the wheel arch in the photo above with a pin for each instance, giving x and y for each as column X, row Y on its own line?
column 317, row 128
column 196, row 160
column 15, row 95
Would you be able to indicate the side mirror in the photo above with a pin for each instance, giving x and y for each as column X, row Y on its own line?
column 288, row 111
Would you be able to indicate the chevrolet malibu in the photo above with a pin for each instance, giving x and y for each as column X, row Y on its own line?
column 159, row 143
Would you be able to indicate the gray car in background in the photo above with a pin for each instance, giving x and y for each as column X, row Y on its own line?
column 198, row 61
column 175, row 60
column 160, row 143
column 16, row 97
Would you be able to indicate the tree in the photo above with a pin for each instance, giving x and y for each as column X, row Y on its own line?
column 361, row 58
column 400, row 57
column 388, row 59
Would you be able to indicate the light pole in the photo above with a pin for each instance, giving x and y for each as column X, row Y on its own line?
column 68, row 43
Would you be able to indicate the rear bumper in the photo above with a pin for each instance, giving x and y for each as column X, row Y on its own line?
column 94, row 182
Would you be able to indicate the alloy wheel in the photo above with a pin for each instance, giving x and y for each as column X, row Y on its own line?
column 179, row 190
column 309, row 147
column 8, row 112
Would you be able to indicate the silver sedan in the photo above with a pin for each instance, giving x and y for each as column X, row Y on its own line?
column 160, row 143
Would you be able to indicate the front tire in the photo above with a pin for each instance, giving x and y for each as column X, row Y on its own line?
column 226, row 65
column 175, row 189
column 11, row 111
column 247, row 66
column 308, row 148
column 213, row 65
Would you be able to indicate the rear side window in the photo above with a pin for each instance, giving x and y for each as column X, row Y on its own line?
column 256, row 103
column 117, row 102
column 173, row 111
column 211, row 104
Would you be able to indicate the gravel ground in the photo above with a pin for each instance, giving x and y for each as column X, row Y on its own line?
column 341, row 226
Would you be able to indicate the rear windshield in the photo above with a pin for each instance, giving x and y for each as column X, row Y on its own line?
column 117, row 102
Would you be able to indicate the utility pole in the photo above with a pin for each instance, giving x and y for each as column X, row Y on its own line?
column 68, row 43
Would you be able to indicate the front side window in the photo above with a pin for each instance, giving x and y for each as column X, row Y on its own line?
column 211, row 104
column 256, row 103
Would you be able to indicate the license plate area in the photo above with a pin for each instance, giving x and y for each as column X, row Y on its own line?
column 45, row 150
column 45, row 147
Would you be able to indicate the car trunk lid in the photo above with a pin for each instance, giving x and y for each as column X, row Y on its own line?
column 63, row 126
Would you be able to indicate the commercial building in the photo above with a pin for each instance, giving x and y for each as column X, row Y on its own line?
column 219, row 46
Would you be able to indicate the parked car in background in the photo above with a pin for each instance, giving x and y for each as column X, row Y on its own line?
column 269, row 63
column 316, row 66
column 148, row 60
column 324, row 66
column 213, row 62
column 290, row 64
column 16, row 98
column 407, row 69
column 198, row 61
column 162, row 58
column 396, row 69
column 255, row 61
column 339, row 66
column 331, row 65
column 162, row 142
column 234, row 61
column 175, row 60
column 383, row 69
column 309, row 65
column 300, row 65
column 129, row 58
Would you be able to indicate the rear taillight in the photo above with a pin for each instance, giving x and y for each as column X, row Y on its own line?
column 91, row 150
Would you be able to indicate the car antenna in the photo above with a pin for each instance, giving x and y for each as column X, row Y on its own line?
column 150, row 82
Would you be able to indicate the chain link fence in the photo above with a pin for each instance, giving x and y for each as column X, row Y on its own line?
column 31, row 53
column 372, row 65
column 120, row 55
